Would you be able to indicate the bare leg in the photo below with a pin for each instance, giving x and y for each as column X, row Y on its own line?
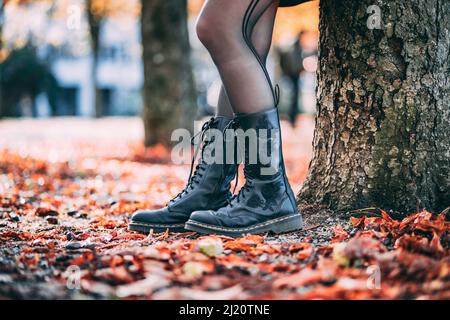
column 223, row 27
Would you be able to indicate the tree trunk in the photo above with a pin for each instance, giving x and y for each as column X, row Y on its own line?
column 169, row 91
column 383, row 124
column 2, row 107
column 95, row 20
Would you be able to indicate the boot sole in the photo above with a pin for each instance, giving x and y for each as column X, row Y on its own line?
column 279, row 225
column 157, row 228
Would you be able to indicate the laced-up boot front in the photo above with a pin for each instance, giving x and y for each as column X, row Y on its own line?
column 208, row 188
column 266, row 202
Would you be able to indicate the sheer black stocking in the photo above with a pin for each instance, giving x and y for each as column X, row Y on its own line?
column 238, row 35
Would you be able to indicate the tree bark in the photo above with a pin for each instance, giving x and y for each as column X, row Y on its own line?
column 169, row 91
column 382, row 133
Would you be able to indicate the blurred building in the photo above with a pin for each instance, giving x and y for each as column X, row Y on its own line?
column 59, row 30
column 119, row 74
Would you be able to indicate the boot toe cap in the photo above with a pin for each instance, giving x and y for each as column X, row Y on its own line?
column 148, row 216
column 206, row 217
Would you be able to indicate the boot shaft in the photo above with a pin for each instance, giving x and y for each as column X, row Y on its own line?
column 259, row 141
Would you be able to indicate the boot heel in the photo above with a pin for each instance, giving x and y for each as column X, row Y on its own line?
column 291, row 224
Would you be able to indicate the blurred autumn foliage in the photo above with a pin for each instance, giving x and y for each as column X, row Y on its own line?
column 108, row 7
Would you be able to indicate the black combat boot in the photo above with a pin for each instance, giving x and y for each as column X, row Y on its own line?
column 207, row 189
column 266, row 202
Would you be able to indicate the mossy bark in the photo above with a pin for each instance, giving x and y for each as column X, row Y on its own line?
column 382, row 133
column 169, row 91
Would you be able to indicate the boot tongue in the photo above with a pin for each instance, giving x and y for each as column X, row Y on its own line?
column 216, row 129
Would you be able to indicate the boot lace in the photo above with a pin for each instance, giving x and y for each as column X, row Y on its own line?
column 246, row 188
column 196, row 175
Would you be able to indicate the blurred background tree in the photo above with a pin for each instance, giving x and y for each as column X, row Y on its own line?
column 96, row 11
column 169, row 89
column 2, row 10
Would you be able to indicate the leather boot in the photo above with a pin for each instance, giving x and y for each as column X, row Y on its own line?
column 208, row 188
column 266, row 202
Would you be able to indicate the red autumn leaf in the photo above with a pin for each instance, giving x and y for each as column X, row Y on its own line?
column 304, row 277
column 358, row 222
column 302, row 250
column 339, row 234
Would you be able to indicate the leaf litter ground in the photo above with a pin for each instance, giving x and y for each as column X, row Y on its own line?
column 68, row 187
